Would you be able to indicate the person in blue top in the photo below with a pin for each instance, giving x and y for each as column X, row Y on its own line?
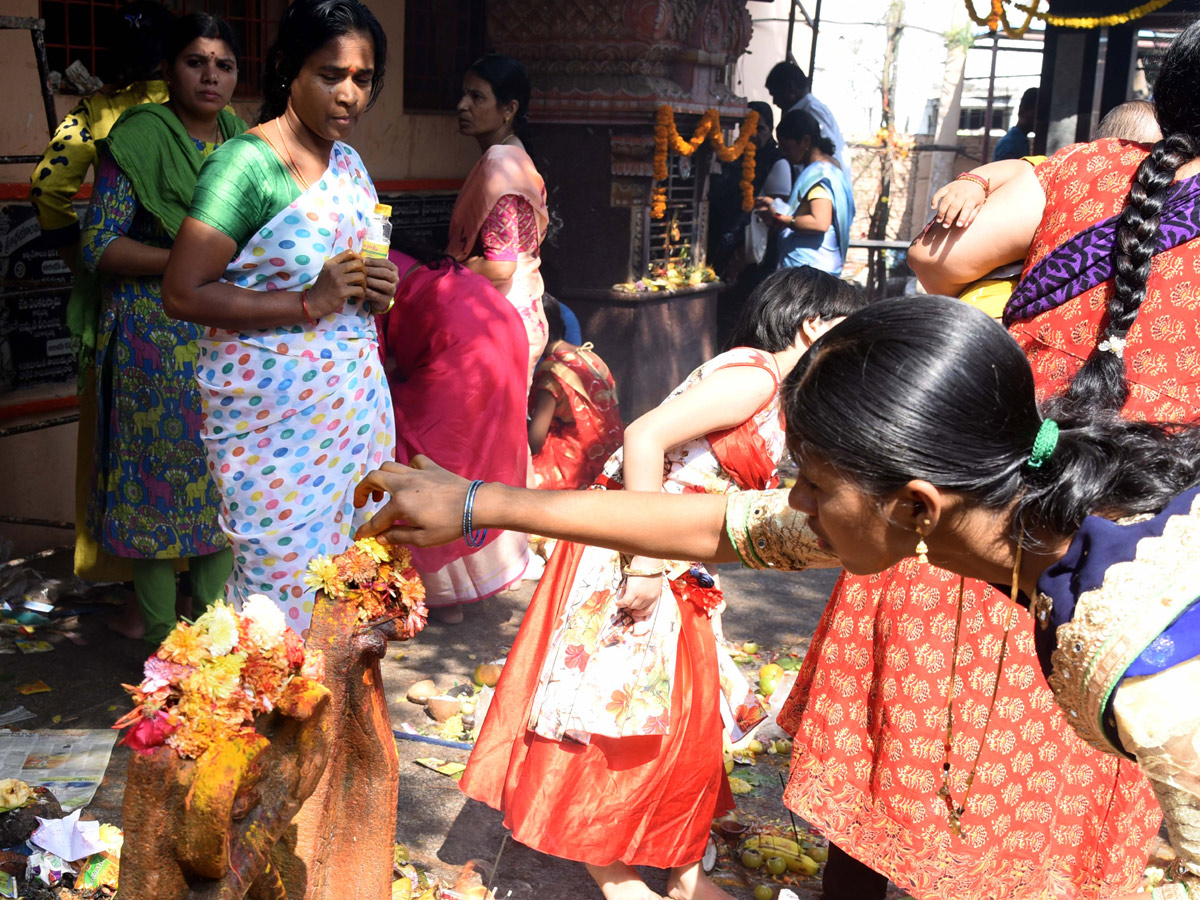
column 1015, row 142
column 816, row 220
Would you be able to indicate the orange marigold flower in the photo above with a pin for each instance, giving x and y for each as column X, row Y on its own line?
column 186, row 645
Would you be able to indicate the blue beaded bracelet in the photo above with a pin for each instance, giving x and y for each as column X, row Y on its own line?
column 470, row 535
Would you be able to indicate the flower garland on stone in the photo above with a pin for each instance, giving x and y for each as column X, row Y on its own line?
column 210, row 678
column 667, row 136
column 379, row 579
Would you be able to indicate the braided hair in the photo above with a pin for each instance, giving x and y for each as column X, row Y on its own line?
column 1102, row 382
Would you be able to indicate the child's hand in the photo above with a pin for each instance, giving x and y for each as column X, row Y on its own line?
column 958, row 203
column 640, row 595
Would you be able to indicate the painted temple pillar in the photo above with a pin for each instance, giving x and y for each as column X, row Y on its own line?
column 600, row 70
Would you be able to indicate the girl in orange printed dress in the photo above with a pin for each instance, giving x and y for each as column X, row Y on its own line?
column 574, row 419
column 603, row 741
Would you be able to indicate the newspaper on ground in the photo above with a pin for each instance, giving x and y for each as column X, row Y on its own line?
column 69, row 762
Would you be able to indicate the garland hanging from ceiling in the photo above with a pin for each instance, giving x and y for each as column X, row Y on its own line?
column 996, row 18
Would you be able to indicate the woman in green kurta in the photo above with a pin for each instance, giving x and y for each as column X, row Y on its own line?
column 152, row 499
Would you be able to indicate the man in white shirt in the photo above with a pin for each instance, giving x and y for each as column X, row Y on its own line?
column 789, row 89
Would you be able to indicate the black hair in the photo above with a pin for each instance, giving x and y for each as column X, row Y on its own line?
column 1102, row 381
column 778, row 307
column 136, row 31
column 197, row 25
column 787, row 74
column 424, row 251
column 304, row 28
column 931, row 388
column 799, row 124
column 765, row 115
column 510, row 81
column 1028, row 98
column 556, row 329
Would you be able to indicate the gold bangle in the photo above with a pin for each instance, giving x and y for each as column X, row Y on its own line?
column 644, row 573
column 985, row 183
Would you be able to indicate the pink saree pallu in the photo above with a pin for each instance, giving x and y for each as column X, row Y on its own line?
column 502, row 171
column 295, row 416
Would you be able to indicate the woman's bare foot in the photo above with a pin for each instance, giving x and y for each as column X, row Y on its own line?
column 447, row 615
column 690, row 883
column 620, row 882
column 128, row 622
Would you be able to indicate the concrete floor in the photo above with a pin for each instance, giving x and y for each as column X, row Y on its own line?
column 442, row 829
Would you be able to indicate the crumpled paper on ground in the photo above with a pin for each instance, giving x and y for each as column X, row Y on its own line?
column 46, row 868
column 68, row 838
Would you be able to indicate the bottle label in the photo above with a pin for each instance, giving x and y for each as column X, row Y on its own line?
column 375, row 249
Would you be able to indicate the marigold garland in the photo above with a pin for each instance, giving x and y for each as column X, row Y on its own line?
column 997, row 16
column 1096, row 21
column 709, row 129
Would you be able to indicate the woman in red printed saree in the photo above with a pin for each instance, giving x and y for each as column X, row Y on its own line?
column 574, row 419
column 603, row 742
column 454, row 356
column 500, row 217
column 1048, row 816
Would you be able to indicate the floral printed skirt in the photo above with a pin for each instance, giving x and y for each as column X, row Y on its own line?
column 643, row 800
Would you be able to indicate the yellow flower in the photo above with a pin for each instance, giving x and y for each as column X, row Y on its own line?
column 220, row 623
column 322, row 575
column 186, row 645
column 374, row 549
column 213, row 681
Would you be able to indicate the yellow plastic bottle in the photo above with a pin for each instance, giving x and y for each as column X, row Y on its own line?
column 379, row 232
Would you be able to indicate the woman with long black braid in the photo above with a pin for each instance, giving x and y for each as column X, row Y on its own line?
column 1106, row 306
column 1064, row 220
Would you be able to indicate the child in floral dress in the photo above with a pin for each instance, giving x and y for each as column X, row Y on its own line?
column 603, row 742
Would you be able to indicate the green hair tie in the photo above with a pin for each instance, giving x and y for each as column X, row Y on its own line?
column 1044, row 443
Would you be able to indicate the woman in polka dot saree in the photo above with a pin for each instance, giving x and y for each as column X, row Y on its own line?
column 296, row 408
column 293, row 415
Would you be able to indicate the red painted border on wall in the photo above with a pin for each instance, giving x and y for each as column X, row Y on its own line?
column 18, row 190
column 418, row 184
column 22, row 407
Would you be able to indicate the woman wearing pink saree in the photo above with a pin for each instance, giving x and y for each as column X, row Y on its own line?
column 454, row 357
column 500, row 217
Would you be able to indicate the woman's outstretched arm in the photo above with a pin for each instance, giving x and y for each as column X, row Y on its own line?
column 425, row 509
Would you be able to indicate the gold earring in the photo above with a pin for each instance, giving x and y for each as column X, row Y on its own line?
column 922, row 550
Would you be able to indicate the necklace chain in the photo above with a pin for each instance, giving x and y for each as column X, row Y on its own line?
column 954, row 811
column 291, row 160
